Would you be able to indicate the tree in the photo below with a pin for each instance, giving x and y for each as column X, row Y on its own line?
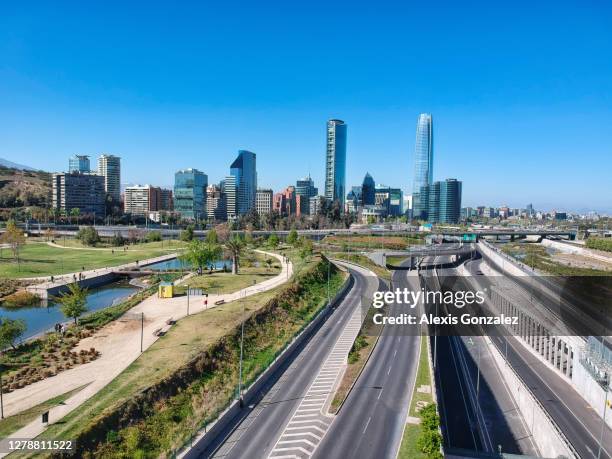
column 73, row 302
column 75, row 212
column 212, row 237
column 292, row 237
column 201, row 254
column 10, row 331
column 187, row 234
column 154, row 236
column 49, row 234
column 268, row 262
column 14, row 237
column 88, row 236
column 223, row 232
column 273, row 241
column 234, row 248
column 306, row 248
column 117, row 240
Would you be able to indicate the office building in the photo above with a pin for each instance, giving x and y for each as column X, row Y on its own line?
column 166, row 201
column 229, row 188
column 244, row 171
column 354, row 200
column 140, row 200
column 305, row 189
column 81, row 191
column 423, row 152
column 109, row 167
column 443, row 202
column 79, row 163
column 368, row 191
column 335, row 162
column 190, row 193
column 390, row 199
column 315, row 204
column 263, row 201
column 216, row 203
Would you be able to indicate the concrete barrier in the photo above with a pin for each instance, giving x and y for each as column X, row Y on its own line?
column 549, row 438
column 205, row 438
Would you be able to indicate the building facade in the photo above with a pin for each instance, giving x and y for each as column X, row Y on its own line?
column 450, row 201
column 190, row 193
column 305, row 189
column 423, row 153
column 79, row 163
column 287, row 202
column 216, row 203
column 263, row 201
column 390, row 199
column 79, row 191
column 166, row 201
column 244, row 171
column 335, row 162
column 229, row 188
column 142, row 199
column 109, row 167
column 368, row 191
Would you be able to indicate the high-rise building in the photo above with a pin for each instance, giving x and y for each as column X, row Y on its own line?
column 335, row 162
column 305, row 189
column 353, row 200
column 229, row 188
column 450, row 201
column 315, row 204
column 368, row 191
column 166, row 201
column 423, row 153
column 287, row 202
column 81, row 191
column 244, row 169
column 142, row 199
column 263, row 201
column 390, row 199
column 109, row 167
column 79, row 163
column 216, row 203
column 190, row 193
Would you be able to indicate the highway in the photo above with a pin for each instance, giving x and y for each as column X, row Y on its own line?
column 256, row 433
column 580, row 423
column 371, row 422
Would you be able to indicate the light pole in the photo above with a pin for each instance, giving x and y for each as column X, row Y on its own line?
column 1, row 400
column 241, row 355
column 187, row 298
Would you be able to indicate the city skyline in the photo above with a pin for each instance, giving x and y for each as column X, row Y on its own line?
column 508, row 105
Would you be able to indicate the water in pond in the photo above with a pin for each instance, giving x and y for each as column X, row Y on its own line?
column 177, row 264
column 41, row 319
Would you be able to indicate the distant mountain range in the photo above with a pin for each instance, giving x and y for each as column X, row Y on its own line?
column 12, row 165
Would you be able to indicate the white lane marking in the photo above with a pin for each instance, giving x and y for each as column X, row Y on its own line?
column 367, row 424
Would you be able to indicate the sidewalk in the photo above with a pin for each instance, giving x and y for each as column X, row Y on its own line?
column 119, row 344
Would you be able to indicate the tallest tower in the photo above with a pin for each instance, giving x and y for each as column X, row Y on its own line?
column 335, row 162
column 423, row 153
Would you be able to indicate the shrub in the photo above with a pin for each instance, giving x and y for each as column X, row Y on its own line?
column 599, row 243
column 20, row 299
column 88, row 236
column 154, row 236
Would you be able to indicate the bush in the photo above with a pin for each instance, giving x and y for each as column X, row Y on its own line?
column 187, row 234
column 154, row 236
column 88, row 236
column 20, row 299
column 599, row 243
column 117, row 240
column 429, row 440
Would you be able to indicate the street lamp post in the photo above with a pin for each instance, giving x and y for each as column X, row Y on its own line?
column 241, row 356
column 188, row 292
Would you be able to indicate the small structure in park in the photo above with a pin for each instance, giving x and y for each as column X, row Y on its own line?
column 166, row 290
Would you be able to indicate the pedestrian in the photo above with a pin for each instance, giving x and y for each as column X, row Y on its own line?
column 52, row 279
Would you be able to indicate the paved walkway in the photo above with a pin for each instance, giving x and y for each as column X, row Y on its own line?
column 119, row 344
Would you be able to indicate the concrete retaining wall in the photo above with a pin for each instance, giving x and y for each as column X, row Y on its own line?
column 550, row 440
column 574, row 249
column 255, row 391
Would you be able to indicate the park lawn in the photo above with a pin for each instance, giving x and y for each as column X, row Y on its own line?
column 408, row 448
column 39, row 259
column 185, row 340
column 220, row 282
column 375, row 242
column 13, row 423
column 169, row 244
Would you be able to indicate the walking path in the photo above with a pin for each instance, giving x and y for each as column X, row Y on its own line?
column 119, row 344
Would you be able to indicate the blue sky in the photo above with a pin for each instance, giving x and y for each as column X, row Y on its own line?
column 521, row 92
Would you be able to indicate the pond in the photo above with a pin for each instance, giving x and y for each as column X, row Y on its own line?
column 177, row 264
column 41, row 319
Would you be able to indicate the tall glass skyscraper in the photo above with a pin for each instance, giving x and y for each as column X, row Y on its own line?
column 423, row 153
column 244, row 170
column 335, row 162
column 109, row 166
column 368, row 190
column 190, row 193
column 79, row 163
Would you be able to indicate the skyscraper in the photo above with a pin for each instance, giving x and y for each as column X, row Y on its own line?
column 450, row 201
column 109, row 167
column 335, row 162
column 244, row 170
column 81, row 191
column 305, row 189
column 79, row 163
column 368, row 191
column 263, row 203
column 423, row 153
column 190, row 193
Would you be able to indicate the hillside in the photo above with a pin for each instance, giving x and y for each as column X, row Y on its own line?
column 21, row 188
column 11, row 165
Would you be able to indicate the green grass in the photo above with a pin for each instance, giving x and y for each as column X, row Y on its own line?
column 364, row 261
column 13, row 423
column 408, row 448
column 39, row 259
column 395, row 260
column 168, row 423
column 423, row 378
